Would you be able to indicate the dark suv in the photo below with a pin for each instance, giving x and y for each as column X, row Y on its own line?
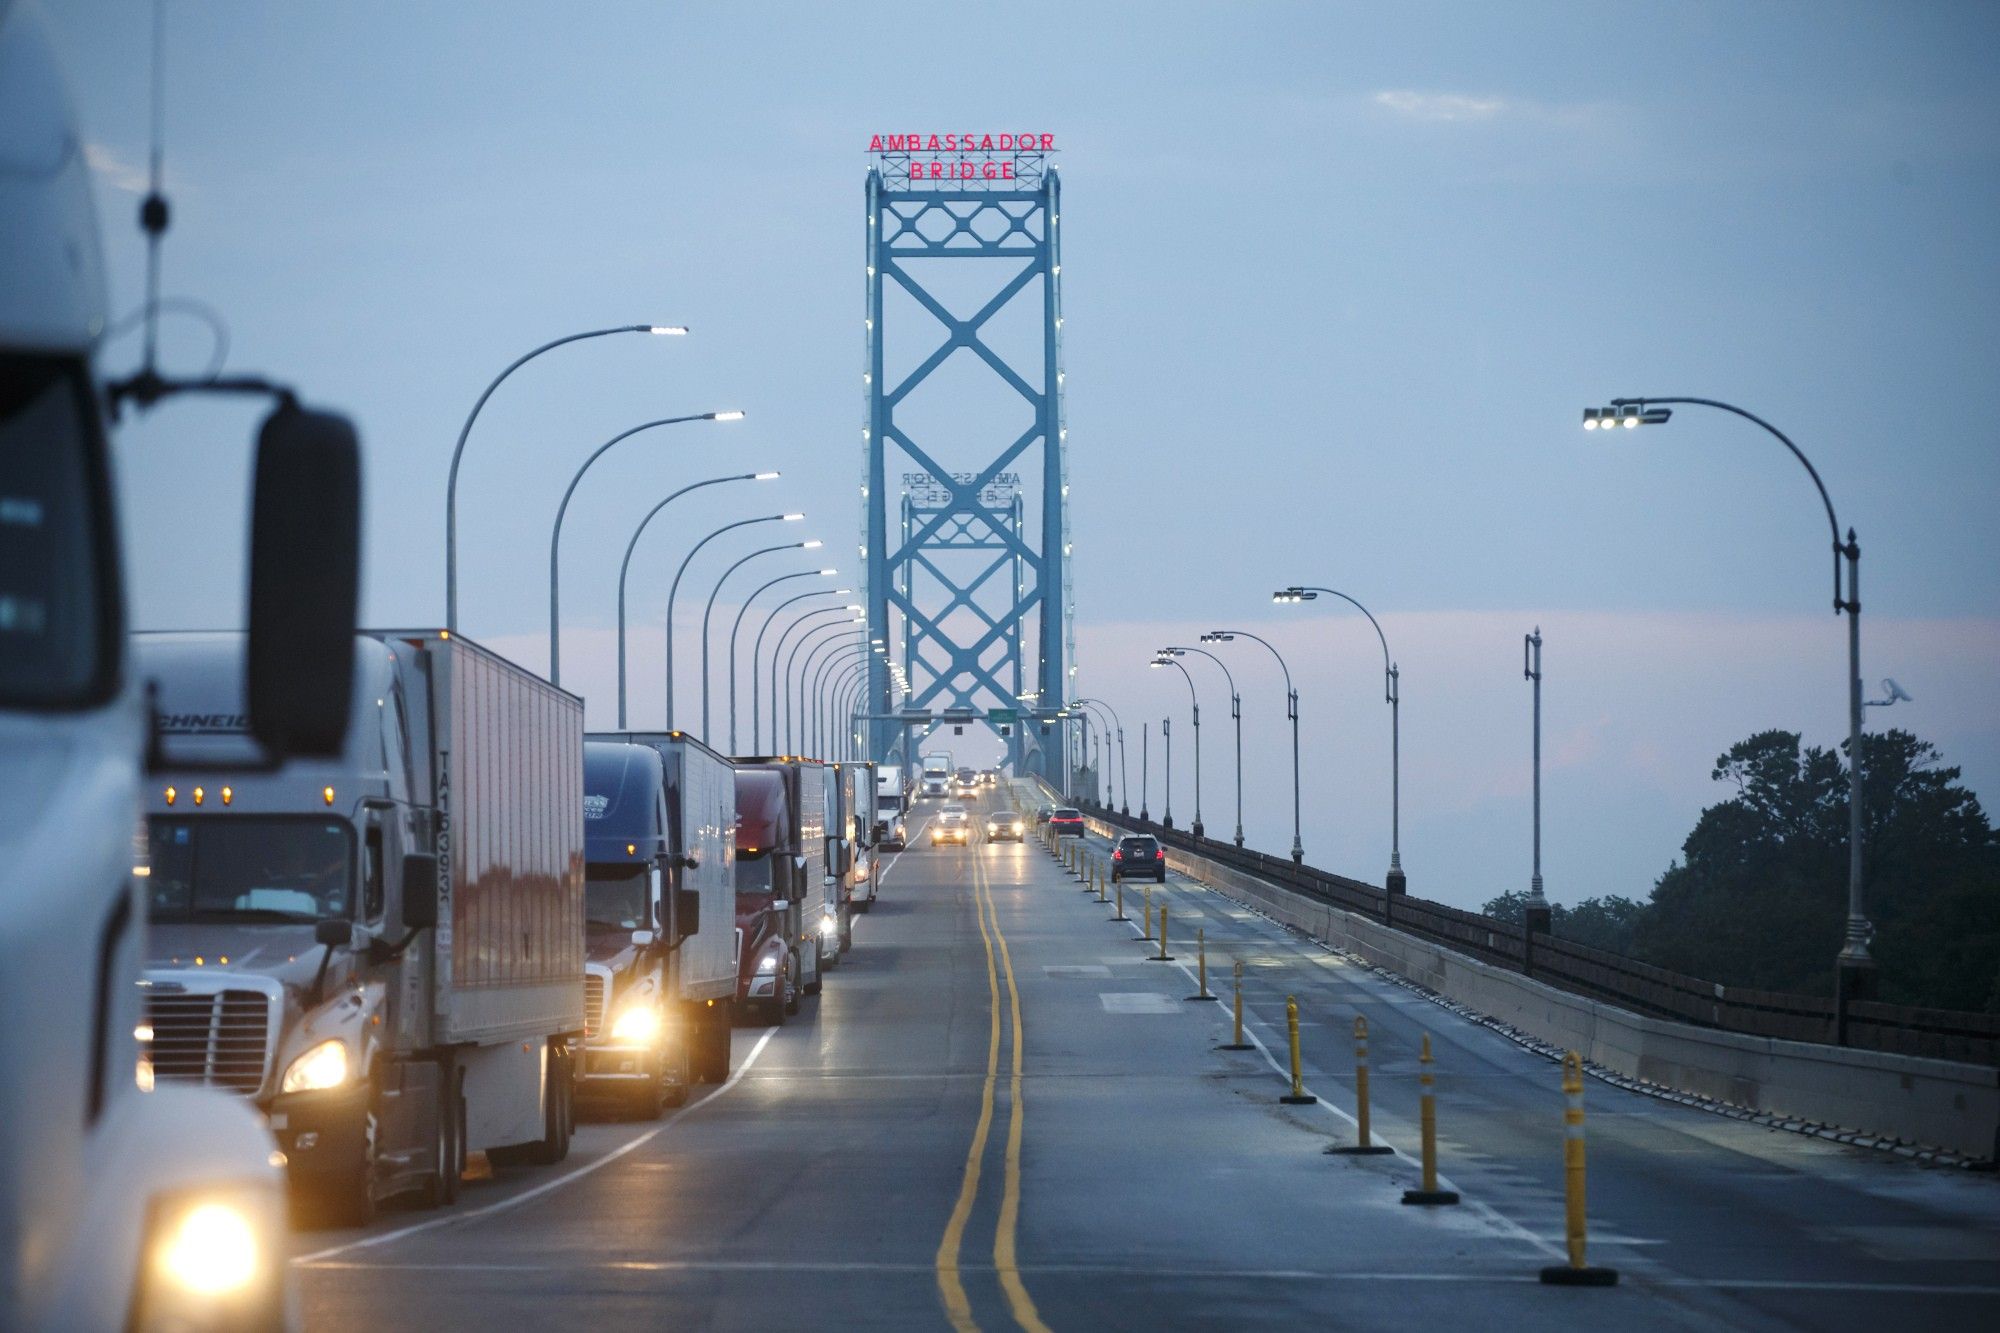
column 1141, row 856
column 1066, row 822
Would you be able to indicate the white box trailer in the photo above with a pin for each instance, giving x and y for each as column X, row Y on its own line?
column 382, row 950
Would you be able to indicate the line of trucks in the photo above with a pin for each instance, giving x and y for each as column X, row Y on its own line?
column 301, row 912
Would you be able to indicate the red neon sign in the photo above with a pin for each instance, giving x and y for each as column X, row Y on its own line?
column 959, row 157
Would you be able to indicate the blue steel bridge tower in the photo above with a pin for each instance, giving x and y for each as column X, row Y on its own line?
column 965, row 485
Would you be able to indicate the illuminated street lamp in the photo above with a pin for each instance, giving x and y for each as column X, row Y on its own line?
column 737, row 625
column 1116, row 728
column 1854, row 969
column 625, row 565
column 555, row 532
column 1166, row 657
column 708, row 612
column 674, row 589
column 1392, row 689
column 757, row 656
column 451, row 480
column 1236, row 715
column 1291, row 711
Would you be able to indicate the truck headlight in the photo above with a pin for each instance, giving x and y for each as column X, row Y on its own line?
column 210, row 1262
column 322, row 1067
column 829, row 924
column 638, row 1024
column 768, row 963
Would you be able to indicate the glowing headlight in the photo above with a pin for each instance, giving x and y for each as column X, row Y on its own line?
column 324, row 1066
column 211, row 1262
column 639, row 1023
column 829, row 924
column 210, row 1249
column 768, row 963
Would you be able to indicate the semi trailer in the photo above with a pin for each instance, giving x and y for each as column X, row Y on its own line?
column 783, row 913
column 381, row 950
column 660, row 918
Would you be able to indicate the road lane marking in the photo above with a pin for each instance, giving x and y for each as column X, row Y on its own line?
column 1019, row 1303
column 569, row 1178
column 951, row 1289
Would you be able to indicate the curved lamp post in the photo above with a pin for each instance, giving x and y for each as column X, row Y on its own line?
column 451, row 481
column 826, row 688
column 674, row 590
column 708, row 612
column 833, row 641
column 1853, row 968
column 1291, row 711
column 1392, row 692
column 1124, row 789
column 853, row 617
column 757, row 657
column 812, row 677
column 737, row 625
column 625, row 566
column 1194, row 702
column 555, row 532
column 1235, row 714
column 791, row 660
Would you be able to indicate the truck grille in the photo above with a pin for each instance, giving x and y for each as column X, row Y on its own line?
column 593, row 1004
column 219, row 1039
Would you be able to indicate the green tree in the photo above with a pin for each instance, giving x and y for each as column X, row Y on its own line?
column 1604, row 923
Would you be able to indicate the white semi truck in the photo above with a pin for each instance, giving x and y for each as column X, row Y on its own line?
column 382, row 950
column 121, row 1208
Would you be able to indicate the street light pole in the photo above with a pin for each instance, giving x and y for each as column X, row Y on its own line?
column 778, row 649
column 709, row 611
column 1236, row 716
column 805, row 675
column 1392, row 690
column 1537, row 912
column 464, row 431
column 1167, row 733
column 555, row 532
column 1291, row 712
column 1145, row 777
column 1194, row 702
column 1108, row 729
column 757, row 657
column 1854, row 968
column 674, row 590
column 815, row 730
column 1124, row 785
column 625, row 566
column 737, row 625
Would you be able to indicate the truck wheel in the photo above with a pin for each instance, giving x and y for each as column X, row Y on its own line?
column 559, row 1117
column 676, row 1093
column 711, row 1059
column 792, row 992
column 349, row 1201
column 441, row 1189
column 847, row 927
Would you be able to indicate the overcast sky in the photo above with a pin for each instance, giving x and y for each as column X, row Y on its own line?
column 1337, row 281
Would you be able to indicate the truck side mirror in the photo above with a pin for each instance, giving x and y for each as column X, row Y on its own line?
column 687, row 912
column 305, row 575
column 420, row 890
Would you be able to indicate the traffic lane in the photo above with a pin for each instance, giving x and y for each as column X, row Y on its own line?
column 1164, row 1184
column 1677, row 1193
column 787, row 1195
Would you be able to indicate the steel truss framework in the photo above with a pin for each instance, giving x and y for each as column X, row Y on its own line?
column 963, row 570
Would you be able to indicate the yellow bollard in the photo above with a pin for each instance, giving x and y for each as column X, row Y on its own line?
column 1100, row 885
column 1239, row 1044
column 1298, row 1095
column 1201, row 964
column 1162, row 956
column 1120, row 886
column 1093, row 876
column 1146, row 897
column 1427, row 1113
column 1364, row 1144
column 1575, row 1273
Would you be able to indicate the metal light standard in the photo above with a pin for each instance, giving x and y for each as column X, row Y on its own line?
column 1236, row 716
column 1392, row 689
column 757, row 657
column 1145, row 777
column 674, row 590
column 737, row 625
column 1124, row 787
column 625, row 565
column 837, row 631
column 1537, row 912
column 806, row 676
column 1854, row 969
column 555, row 532
column 853, row 616
column 708, row 612
column 1167, row 734
column 1291, row 711
column 822, row 688
column 451, row 481
column 1165, row 658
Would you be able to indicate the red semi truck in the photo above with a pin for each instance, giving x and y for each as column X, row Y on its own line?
column 787, row 924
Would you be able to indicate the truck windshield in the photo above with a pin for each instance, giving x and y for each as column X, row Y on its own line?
column 204, row 869
column 617, row 896
column 753, row 873
column 56, row 610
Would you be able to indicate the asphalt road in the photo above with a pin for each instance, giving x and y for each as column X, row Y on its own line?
column 1001, row 1114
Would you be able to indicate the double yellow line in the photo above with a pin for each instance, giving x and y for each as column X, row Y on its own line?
column 1005, row 1262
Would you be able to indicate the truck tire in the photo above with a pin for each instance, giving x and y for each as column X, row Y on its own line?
column 441, row 1190
column 712, row 1041
column 558, row 1120
column 847, row 925
column 349, row 1201
column 666, row 1094
column 792, row 992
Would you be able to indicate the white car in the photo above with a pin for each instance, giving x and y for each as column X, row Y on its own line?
column 952, row 824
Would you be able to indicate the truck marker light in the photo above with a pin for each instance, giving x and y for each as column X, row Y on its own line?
column 630, row 848
column 198, row 794
column 328, row 794
column 143, row 1032
column 171, row 793
column 142, row 872
column 228, row 795
column 224, row 960
column 199, row 961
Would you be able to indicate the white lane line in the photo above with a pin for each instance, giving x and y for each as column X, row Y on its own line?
column 897, row 859
column 515, row 1201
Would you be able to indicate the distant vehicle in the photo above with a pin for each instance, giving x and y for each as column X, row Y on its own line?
column 782, row 916
column 659, row 984
column 967, row 782
column 1006, row 826
column 892, row 800
column 1138, row 856
column 1042, row 815
column 937, row 777
column 990, row 777
column 953, row 824
column 1067, row 822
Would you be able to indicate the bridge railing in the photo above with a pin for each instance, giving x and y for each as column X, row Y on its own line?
column 1598, row 974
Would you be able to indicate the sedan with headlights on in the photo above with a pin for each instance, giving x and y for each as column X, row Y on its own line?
column 1005, row 826
column 952, row 824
